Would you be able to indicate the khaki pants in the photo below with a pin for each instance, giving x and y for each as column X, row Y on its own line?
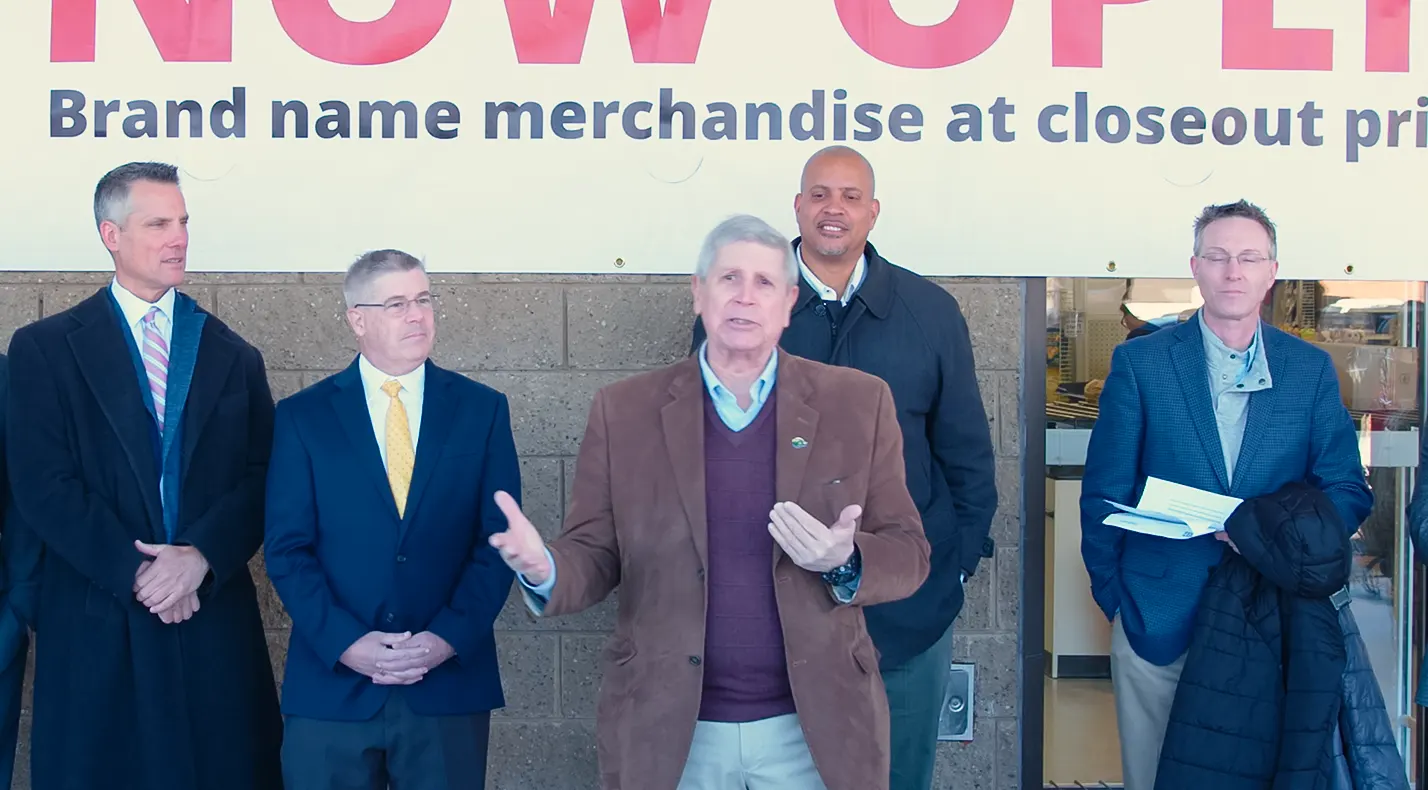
column 770, row 754
column 1144, row 693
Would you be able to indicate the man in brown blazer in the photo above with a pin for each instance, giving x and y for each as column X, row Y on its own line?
column 748, row 503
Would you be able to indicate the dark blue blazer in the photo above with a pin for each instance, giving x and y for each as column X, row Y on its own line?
column 344, row 564
column 1156, row 420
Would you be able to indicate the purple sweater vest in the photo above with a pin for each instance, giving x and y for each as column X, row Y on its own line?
column 745, row 672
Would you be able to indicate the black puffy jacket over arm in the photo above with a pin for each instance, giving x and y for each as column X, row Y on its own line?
column 1268, row 683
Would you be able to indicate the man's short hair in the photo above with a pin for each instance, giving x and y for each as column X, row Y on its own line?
column 111, row 195
column 1244, row 209
column 745, row 228
column 370, row 266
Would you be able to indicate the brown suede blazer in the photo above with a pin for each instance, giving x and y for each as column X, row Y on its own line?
column 636, row 520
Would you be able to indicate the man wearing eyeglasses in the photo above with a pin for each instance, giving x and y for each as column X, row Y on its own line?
column 1221, row 403
column 379, row 512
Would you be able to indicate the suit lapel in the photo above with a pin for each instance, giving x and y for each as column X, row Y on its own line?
column 105, row 362
column 350, row 403
column 437, row 411
column 682, row 420
column 1261, row 406
column 195, row 380
column 1188, row 358
column 797, row 432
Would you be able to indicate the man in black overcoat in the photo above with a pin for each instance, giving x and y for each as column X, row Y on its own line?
column 20, row 554
column 139, row 431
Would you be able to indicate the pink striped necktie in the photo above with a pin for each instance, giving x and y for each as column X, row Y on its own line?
column 156, row 361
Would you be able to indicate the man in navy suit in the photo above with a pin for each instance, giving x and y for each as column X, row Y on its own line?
column 380, row 508
column 1222, row 403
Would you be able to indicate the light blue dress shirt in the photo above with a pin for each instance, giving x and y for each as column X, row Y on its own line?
column 726, row 404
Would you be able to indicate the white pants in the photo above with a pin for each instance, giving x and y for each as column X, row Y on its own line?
column 770, row 754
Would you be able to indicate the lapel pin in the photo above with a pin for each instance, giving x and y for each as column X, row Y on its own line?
column 799, row 443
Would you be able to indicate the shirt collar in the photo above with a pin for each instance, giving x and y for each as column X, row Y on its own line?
column 1252, row 359
column 828, row 294
column 135, row 308
column 757, row 391
column 373, row 378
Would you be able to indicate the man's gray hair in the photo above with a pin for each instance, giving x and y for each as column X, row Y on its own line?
column 374, row 264
column 745, row 228
column 111, row 195
column 1243, row 209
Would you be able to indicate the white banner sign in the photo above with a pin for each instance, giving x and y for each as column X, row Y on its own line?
column 1010, row 137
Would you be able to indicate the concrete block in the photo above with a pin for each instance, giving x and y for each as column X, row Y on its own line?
column 548, row 755
column 298, row 327
column 19, row 306
column 580, row 673
column 58, row 298
column 969, row 763
column 996, row 660
column 1010, row 413
column 103, row 273
column 528, row 672
column 515, row 616
column 1006, row 524
column 978, row 600
column 499, row 327
column 989, row 383
column 557, row 278
column 994, row 320
column 628, row 327
column 548, row 409
column 278, row 654
column 275, row 615
column 240, row 278
column 1008, row 586
column 1008, row 755
column 283, row 383
column 542, row 494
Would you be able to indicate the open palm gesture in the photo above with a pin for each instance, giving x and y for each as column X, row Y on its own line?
column 521, row 545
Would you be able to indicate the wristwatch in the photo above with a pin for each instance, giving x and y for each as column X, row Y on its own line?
column 845, row 573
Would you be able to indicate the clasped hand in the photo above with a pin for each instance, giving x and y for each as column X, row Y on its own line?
column 811, row 545
column 396, row 659
column 168, row 584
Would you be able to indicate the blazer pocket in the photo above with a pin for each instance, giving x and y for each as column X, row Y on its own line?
column 840, row 492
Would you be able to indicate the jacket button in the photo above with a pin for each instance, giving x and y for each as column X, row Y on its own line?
column 694, row 660
column 391, row 617
column 701, row 573
column 401, row 558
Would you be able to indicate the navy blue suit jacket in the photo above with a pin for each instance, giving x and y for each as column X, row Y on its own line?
column 1156, row 420
column 344, row 564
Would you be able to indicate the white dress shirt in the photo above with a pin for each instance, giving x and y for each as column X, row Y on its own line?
column 827, row 292
column 135, row 308
column 413, row 388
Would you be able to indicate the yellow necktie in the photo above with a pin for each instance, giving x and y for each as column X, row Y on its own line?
column 400, row 457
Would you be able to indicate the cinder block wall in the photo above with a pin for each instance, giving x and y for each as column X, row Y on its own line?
column 549, row 342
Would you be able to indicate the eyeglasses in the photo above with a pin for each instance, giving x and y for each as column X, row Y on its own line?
column 1246, row 258
column 399, row 306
